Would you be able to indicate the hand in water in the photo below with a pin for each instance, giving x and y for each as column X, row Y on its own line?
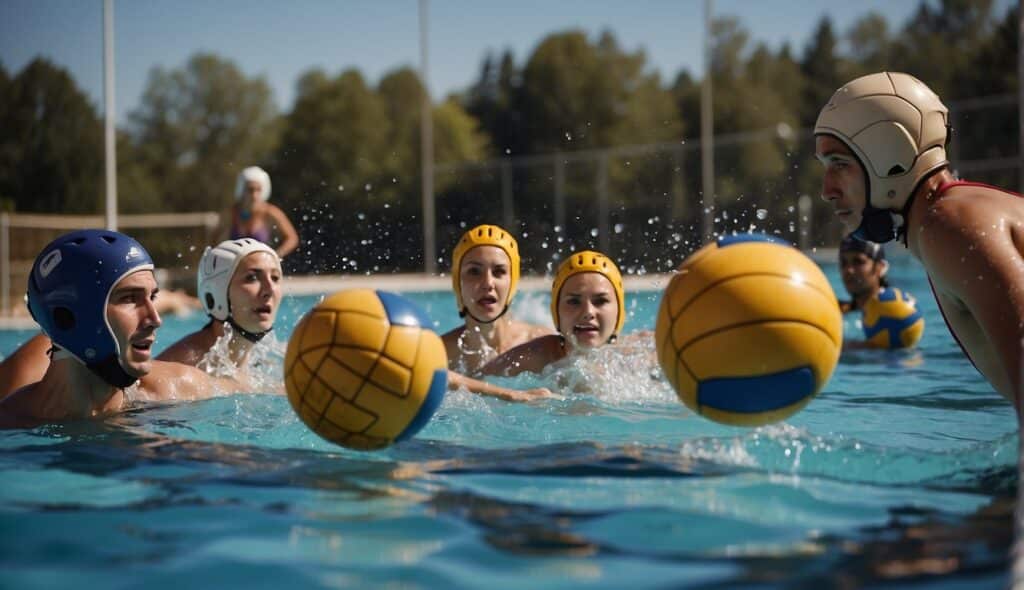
column 534, row 394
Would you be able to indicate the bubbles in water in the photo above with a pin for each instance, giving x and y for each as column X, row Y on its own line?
column 593, row 232
column 762, row 214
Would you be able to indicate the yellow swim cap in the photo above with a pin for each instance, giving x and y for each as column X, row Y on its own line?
column 485, row 235
column 589, row 261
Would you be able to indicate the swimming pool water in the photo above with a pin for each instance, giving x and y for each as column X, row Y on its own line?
column 902, row 471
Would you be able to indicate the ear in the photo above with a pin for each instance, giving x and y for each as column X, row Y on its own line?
column 885, row 267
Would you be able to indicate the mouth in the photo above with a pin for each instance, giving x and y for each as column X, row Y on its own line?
column 263, row 311
column 143, row 347
column 586, row 329
column 487, row 302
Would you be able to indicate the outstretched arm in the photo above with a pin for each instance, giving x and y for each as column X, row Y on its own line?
column 458, row 380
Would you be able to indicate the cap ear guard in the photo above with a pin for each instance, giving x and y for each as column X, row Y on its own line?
column 589, row 261
column 485, row 235
column 898, row 129
column 216, row 268
column 253, row 174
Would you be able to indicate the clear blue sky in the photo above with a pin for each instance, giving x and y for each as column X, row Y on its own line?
column 281, row 40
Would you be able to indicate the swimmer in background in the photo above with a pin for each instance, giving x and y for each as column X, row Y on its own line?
column 485, row 274
column 863, row 269
column 889, row 316
column 93, row 292
column 588, row 307
column 239, row 283
column 251, row 216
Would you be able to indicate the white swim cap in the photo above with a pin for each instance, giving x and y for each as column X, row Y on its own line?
column 216, row 268
column 253, row 173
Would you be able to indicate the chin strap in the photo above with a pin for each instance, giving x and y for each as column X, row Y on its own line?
column 111, row 371
column 253, row 337
column 465, row 312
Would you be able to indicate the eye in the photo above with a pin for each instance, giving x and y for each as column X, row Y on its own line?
column 473, row 271
column 601, row 300
column 572, row 301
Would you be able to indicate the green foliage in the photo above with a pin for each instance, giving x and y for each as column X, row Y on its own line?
column 346, row 159
column 197, row 127
column 51, row 148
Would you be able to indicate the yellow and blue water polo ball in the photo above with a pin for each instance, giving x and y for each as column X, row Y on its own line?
column 364, row 369
column 891, row 320
column 748, row 331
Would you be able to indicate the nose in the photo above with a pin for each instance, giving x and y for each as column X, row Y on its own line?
column 589, row 311
column 152, row 316
column 267, row 286
column 827, row 187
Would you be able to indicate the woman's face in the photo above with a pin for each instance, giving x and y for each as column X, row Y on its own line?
column 255, row 292
column 252, row 194
column 587, row 309
column 485, row 278
column 861, row 274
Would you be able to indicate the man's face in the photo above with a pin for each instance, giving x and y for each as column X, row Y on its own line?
column 843, row 183
column 133, row 320
column 861, row 274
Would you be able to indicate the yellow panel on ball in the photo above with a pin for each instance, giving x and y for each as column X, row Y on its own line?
column 382, row 377
column 749, row 330
column 891, row 320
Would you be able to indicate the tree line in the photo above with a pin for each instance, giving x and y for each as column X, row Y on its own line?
column 345, row 158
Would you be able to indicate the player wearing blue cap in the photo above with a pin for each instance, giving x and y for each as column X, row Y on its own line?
column 93, row 292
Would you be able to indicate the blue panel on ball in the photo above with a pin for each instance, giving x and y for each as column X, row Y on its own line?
column 435, row 395
column 744, row 238
column 887, row 295
column 749, row 395
column 894, row 326
column 402, row 312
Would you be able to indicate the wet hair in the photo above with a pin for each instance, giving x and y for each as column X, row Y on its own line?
column 872, row 250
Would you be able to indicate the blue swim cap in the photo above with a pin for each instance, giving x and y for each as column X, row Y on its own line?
column 68, row 291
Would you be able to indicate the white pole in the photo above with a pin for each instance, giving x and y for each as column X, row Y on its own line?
column 427, row 151
column 110, row 138
column 707, row 134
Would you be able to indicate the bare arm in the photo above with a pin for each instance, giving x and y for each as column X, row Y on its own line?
column 978, row 271
column 532, row 356
column 26, row 365
column 289, row 237
column 168, row 381
column 458, row 380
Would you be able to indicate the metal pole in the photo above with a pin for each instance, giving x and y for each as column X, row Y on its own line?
column 110, row 139
column 5, row 256
column 603, row 212
column 507, row 213
column 707, row 139
column 427, row 152
column 560, row 191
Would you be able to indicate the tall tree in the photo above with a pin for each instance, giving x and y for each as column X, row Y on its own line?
column 51, row 149
column 824, row 71
column 940, row 41
column 197, row 127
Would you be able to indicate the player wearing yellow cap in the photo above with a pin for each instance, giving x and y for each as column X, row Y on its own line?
column 485, row 274
column 588, row 307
